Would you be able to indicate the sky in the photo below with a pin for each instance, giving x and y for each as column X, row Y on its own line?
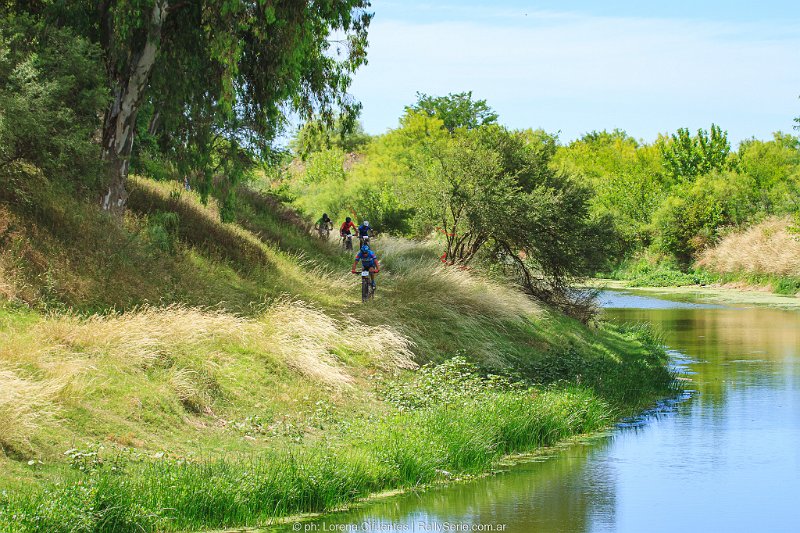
column 574, row 67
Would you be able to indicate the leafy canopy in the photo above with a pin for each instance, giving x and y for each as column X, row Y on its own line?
column 686, row 157
column 315, row 136
column 226, row 73
column 456, row 110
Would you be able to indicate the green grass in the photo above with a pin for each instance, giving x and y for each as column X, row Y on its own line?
column 395, row 450
column 783, row 285
column 652, row 272
column 199, row 359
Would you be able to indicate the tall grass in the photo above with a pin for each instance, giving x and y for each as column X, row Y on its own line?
column 400, row 449
column 766, row 248
column 172, row 356
column 24, row 405
column 764, row 255
column 767, row 254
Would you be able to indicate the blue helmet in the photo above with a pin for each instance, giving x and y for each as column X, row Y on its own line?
column 365, row 248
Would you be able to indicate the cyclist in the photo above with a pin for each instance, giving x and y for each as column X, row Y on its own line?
column 364, row 230
column 346, row 227
column 324, row 226
column 369, row 261
column 344, row 232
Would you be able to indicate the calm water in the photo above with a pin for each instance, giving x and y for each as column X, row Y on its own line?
column 727, row 458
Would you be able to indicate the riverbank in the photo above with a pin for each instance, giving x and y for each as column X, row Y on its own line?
column 440, row 423
column 228, row 374
column 733, row 433
column 714, row 294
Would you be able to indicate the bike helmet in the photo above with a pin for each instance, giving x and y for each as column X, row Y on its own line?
column 348, row 219
column 365, row 248
column 324, row 216
column 366, row 223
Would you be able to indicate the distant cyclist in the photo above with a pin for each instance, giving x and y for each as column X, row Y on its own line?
column 347, row 226
column 345, row 232
column 364, row 232
column 369, row 262
column 324, row 226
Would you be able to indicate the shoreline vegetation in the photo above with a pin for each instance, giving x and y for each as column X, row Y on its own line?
column 170, row 401
column 714, row 293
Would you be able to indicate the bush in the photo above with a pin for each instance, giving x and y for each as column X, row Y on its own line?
column 162, row 230
column 51, row 94
column 693, row 218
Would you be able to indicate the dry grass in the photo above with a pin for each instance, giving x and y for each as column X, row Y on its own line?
column 24, row 405
column 194, row 389
column 766, row 248
column 491, row 298
column 7, row 289
column 145, row 337
column 181, row 355
column 306, row 338
column 422, row 277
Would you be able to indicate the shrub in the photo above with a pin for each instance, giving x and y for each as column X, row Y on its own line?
column 693, row 218
column 51, row 91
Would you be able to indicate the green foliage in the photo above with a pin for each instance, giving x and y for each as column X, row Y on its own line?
column 649, row 272
column 456, row 110
column 492, row 194
column 317, row 136
column 686, row 157
column 326, row 165
column 222, row 86
column 692, row 218
column 214, row 81
column 682, row 193
column 774, row 168
column 162, row 230
column 398, row 450
column 383, row 208
column 450, row 383
column 51, row 91
column 627, row 178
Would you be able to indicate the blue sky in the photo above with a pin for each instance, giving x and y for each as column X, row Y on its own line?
column 575, row 67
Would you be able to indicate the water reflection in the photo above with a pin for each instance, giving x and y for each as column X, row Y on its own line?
column 726, row 459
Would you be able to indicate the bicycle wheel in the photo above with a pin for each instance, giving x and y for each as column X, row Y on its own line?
column 366, row 288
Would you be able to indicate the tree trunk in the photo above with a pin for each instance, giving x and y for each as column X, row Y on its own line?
column 129, row 83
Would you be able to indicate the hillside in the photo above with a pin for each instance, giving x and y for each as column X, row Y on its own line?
column 187, row 352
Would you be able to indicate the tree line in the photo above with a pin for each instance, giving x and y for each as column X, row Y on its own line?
column 524, row 205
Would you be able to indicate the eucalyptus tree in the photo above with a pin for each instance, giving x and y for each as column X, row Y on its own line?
column 214, row 72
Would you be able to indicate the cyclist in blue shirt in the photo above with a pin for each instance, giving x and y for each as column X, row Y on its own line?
column 369, row 261
column 364, row 231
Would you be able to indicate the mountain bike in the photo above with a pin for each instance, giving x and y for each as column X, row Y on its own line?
column 323, row 232
column 347, row 242
column 367, row 290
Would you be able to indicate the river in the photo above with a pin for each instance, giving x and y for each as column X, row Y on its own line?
column 723, row 457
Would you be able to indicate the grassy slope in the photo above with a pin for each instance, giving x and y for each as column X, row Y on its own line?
column 242, row 343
